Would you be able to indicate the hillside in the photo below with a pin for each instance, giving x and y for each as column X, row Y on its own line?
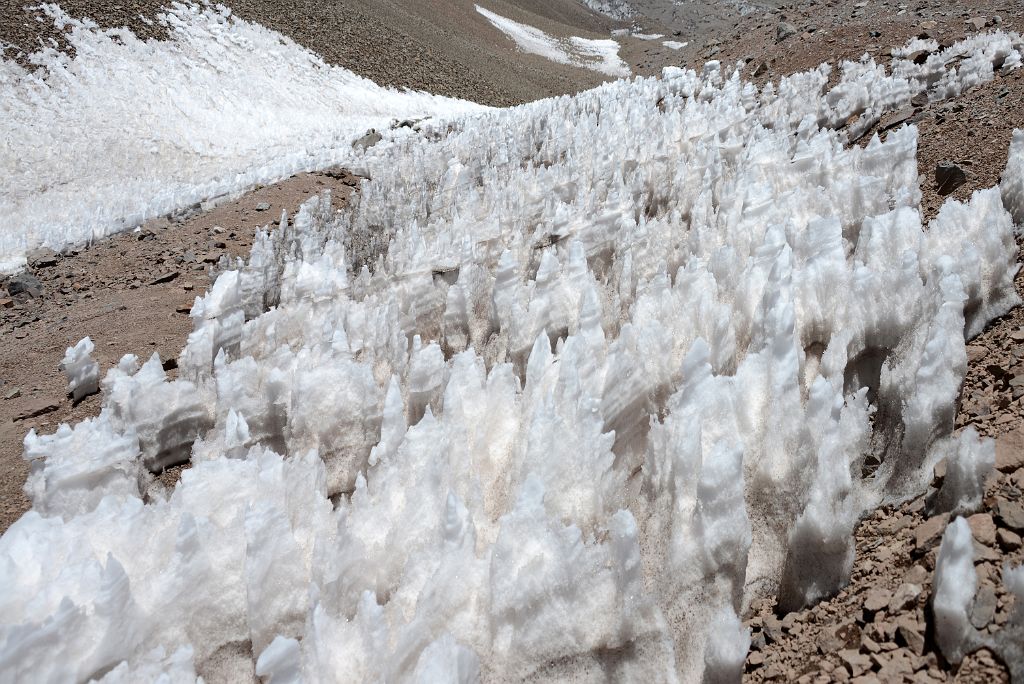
column 707, row 374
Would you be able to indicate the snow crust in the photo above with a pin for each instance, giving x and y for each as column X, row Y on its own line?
column 674, row 44
column 567, row 387
column 128, row 130
column 598, row 55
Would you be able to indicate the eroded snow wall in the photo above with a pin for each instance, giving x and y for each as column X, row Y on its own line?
column 567, row 387
column 127, row 130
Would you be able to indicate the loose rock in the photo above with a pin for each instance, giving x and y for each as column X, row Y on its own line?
column 904, row 596
column 784, row 31
column 1011, row 514
column 930, row 531
column 165, row 278
column 1008, row 541
column 984, row 607
column 948, row 177
column 1010, row 451
column 983, row 528
column 25, row 283
column 877, row 599
column 36, row 408
column 42, row 257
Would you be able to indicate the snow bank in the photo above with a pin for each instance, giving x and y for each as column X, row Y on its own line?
column 128, row 130
column 588, row 53
column 566, row 388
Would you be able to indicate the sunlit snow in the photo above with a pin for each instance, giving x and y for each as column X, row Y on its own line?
column 568, row 386
column 129, row 130
column 599, row 55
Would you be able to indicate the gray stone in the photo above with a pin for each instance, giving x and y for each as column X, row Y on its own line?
column 24, row 283
column 984, row 607
column 36, row 408
column 948, row 177
column 42, row 257
column 784, row 31
column 367, row 141
column 12, row 393
column 165, row 278
column 263, row 206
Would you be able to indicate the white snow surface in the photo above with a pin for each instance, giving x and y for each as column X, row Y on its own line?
column 567, row 387
column 596, row 54
column 955, row 585
column 674, row 44
column 81, row 369
column 128, row 130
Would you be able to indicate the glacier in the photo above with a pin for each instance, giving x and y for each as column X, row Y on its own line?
column 567, row 387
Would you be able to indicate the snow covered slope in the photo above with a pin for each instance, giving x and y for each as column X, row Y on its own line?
column 599, row 55
column 569, row 385
column 128, row 130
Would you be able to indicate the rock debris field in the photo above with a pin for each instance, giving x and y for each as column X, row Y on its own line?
column 703, row 375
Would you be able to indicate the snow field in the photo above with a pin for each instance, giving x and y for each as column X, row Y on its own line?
column 129, row 130
column 568, row 386
column 588, row 53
